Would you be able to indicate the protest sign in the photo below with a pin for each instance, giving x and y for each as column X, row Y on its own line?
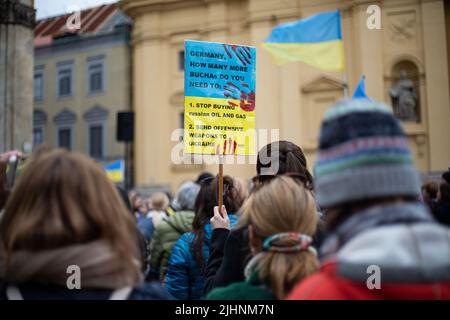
column 219, row 115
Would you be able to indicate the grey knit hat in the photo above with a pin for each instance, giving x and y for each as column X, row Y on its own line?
column 185, row 197
column 363, row 153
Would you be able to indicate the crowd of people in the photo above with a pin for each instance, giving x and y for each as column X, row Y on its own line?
column 284, row 234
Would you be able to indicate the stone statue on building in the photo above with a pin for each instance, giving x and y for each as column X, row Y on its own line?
column 405, row 99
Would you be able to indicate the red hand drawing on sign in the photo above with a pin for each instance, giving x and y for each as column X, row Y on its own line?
column 240, row 52
column 229, row 147
column 245, row 96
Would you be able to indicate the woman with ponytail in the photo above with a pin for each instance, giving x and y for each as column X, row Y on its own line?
column 184, row 278
column 282, row 219
column 229, row 251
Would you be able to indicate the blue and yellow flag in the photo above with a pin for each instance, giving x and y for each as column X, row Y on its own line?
column 316, row 40
column 115, row 171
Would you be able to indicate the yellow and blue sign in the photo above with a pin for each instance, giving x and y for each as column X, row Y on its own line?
column 316, row 40
column 219, row 88
column 115, row 171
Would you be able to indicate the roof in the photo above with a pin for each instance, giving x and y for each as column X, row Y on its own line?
column 93, row 21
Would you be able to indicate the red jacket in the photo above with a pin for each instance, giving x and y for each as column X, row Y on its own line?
column 326, row 285
column 413, row 262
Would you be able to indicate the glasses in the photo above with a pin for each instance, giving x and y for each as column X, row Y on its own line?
column 260, row 180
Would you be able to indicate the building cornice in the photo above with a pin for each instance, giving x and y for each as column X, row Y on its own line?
column 12, row 12
column 134, row 8
column 74, row 43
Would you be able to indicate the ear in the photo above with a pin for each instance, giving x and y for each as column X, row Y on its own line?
column 255, row 241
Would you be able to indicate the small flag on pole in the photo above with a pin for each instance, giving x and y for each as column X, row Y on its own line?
column 360, row 91
column 316, row 40
column 115, row 171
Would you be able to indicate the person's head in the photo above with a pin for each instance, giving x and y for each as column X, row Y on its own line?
column 282, row 219
column 281, row 157
column 204, row 176
column 363, row 159
column 63, row 199
column 185, row 197
column 136, row 200
column 430, row 191
column 159, row 201
column 207, row 198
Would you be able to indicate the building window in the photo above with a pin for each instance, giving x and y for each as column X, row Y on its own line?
column 95, row 72
column 65, row 80
column 38, row 86
column 38, row 136
column 96, row 141
column 181, row 60
column 39, row 123
column 96, row 121
column 65, row 138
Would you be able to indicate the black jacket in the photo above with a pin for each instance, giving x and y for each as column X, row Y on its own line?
column 442, row 213
column 229, row 253
column 146, row 291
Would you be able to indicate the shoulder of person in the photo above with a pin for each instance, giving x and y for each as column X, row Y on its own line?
column 239, row 235
column 321, row 285
column 240, row 291
column 149, row 291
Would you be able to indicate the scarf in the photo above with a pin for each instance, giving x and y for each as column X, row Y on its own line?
column 99, row 267
column 397, row 213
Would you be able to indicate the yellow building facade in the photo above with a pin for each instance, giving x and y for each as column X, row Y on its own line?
column 82, row 79
column 292, row 98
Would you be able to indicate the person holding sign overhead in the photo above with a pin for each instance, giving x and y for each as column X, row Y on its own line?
column 184, row 279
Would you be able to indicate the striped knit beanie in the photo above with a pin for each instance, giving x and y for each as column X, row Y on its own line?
column 363, row 154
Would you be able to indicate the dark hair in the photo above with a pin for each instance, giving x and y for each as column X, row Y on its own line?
column 205, row 202
column 204, row 176
column 444, row 189
column 288, row 156
column 446, row 176
column 431, row 188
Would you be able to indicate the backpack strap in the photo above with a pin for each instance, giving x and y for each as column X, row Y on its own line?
column 121, row 294
column 13, row 293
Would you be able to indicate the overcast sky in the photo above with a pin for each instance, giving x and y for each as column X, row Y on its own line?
column 47, row 8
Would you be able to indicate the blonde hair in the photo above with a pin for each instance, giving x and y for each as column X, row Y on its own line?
column 63, row 199
column 283, row 205
column 159, row 201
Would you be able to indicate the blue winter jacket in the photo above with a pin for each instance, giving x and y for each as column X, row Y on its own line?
column 184, row 279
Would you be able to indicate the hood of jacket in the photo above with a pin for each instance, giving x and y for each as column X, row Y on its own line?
column 414, row 253
column 181, row 221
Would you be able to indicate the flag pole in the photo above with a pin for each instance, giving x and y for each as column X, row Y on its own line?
column 344, row 79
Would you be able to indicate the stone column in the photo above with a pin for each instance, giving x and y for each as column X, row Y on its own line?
column 438, row 103
column 17, row 20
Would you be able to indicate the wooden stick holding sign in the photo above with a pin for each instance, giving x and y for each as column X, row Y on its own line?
column 220, row 195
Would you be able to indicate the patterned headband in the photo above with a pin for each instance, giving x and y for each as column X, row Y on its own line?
column 304, row 242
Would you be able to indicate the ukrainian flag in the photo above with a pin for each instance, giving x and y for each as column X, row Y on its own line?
column 316, row 40
column 115, row 171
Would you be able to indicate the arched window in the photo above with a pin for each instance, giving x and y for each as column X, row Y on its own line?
column 405, row 91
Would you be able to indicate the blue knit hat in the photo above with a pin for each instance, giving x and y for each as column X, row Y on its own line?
column 363, row 154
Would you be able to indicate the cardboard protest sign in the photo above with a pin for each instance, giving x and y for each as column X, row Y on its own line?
column 219, row 98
